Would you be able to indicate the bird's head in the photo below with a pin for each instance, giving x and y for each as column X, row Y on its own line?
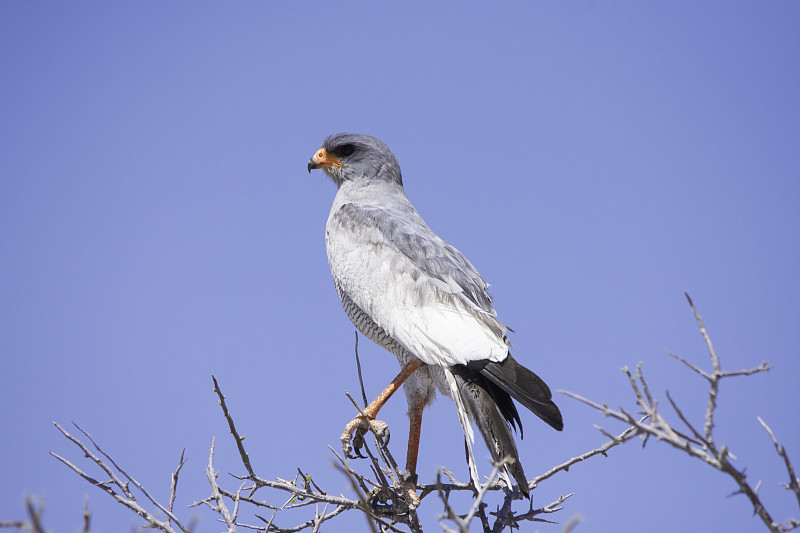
column 354, row 157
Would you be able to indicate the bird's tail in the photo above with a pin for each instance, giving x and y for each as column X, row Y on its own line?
column 524, row 386
column 473, row 401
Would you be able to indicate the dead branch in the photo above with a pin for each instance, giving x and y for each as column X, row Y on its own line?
column 116, row 487
column 380, row 493
column 700, row 445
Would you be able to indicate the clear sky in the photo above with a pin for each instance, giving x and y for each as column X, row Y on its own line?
column 592, row 159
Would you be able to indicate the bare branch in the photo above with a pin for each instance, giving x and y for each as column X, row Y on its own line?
column 794, row 483
column 173, row 489
column 700, row 446
column 623, row 437
column 700, row 441
column 383, row 494
column 126, row 498
column 713, row 388
column 690, row 365
column 510, row 520
column 239, row 445
column 219, row 507
column 131, row 479
column 35, row 515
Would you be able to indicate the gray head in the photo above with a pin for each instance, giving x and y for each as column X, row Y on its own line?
column 354, row 157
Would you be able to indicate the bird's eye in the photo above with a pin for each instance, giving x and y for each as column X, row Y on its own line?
column 346, row 150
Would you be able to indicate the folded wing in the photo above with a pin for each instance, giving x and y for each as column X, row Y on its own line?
column 419, row 289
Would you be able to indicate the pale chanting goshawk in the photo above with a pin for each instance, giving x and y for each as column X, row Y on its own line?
column 415, row 295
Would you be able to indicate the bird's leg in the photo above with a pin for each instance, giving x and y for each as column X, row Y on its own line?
column 364, row 423
column 414, row 431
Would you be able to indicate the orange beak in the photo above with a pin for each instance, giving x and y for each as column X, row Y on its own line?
column 322, row 159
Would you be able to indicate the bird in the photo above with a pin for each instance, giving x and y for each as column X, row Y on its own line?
column 415, row 295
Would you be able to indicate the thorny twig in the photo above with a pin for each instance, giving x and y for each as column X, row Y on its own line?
column 378, row 496
column 700, row 445
column 239, row 444
column 219, row 506
column 173, row 489
column 462, row 522
column 116, row 487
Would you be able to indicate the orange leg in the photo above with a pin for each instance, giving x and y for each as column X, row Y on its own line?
column 372, row 409
column 414, row 431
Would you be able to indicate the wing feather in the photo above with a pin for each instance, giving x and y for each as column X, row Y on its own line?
column 423, row 292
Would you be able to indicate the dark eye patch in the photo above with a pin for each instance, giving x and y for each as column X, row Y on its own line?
column 345, row 150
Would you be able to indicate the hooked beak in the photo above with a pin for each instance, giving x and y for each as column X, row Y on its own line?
column 322, row 159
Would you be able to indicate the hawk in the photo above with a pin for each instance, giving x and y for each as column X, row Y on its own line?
column 415, row 295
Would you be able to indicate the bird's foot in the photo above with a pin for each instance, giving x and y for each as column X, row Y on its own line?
column 395, row 501
column 356, row 429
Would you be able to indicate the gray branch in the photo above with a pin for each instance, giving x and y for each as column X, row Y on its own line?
column 382, row 496
column 123, row 495
column 699, row 445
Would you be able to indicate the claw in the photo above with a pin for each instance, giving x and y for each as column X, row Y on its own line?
column 358, row 442
column 380, row 429
column 355, row 431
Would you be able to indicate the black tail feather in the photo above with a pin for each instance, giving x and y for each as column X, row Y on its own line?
column 524, row 386
column 488, row 388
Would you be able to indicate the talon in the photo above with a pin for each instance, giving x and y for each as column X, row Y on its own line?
column 355, row 431
column 381, row 430
column 358, row 442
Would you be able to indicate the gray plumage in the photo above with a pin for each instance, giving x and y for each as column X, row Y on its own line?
column 415, row 295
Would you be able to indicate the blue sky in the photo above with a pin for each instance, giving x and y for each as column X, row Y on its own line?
column 592, row 159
